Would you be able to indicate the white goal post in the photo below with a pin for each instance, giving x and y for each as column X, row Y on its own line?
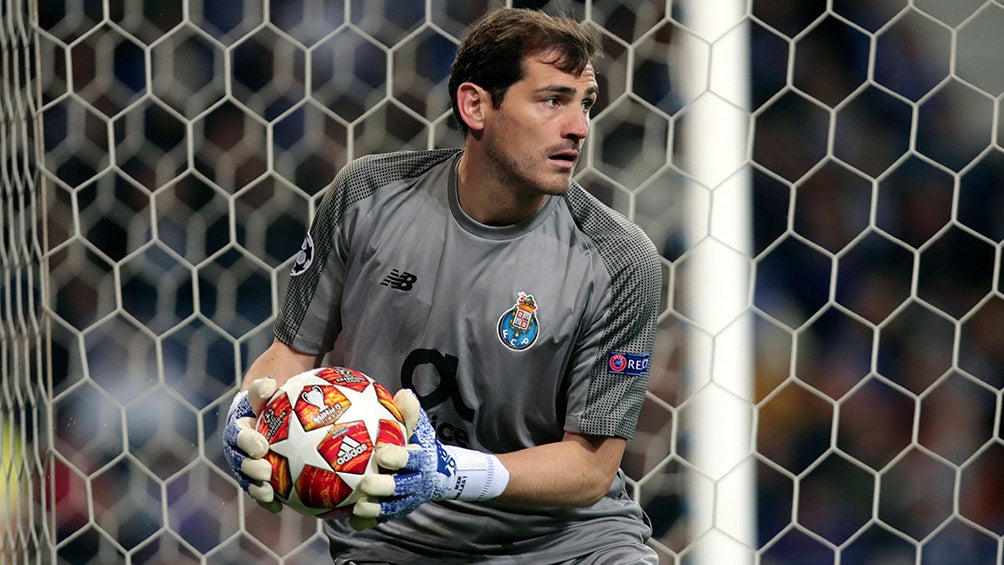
column 822, row 179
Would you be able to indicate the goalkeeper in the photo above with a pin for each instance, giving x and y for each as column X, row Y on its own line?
column 514, row 312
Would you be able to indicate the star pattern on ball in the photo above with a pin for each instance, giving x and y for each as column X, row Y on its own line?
column 361, row 408
column 287, row 447
column 363, row 413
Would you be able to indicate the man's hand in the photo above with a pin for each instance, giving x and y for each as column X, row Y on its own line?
column 426, row 470
column 244, row 447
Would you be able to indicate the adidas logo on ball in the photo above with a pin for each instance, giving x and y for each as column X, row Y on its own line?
column 349, row 450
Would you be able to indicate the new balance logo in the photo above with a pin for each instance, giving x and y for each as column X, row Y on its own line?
column 400, row 280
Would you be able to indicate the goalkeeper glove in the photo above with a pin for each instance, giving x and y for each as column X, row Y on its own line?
column 425, row 470
column 244, row 446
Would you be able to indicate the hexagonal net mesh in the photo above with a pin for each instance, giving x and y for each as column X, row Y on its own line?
column 161, row 161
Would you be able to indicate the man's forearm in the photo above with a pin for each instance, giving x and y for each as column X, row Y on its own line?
column 279, row 361
column 574, row 472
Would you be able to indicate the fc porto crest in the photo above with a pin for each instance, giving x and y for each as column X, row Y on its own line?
column 518, row 326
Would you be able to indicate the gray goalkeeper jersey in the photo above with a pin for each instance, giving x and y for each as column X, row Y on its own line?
column 510, row 336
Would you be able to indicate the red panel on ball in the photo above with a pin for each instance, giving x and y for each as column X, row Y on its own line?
column 391, row 433
column 281, row 482
column 347, row 448
column 320, row 405
column 320, row 488
column 345, row 377
column 383, row 395
column 274, row 420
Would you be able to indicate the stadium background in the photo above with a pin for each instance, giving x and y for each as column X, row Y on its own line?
column 160, row 160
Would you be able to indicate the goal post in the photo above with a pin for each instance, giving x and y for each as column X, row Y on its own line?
column 717, row 280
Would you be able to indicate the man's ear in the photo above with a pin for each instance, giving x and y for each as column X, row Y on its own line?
column 473, row 101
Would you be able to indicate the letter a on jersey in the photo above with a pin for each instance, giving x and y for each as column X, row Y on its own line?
column 518, row 326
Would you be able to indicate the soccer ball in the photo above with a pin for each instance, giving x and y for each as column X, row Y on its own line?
column 322, row 427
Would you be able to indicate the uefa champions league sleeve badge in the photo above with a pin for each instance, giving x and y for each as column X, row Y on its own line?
column 304, row 258
column 518, row 326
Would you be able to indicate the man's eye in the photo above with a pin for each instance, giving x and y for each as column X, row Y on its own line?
column 587, row 105
column 552, row 101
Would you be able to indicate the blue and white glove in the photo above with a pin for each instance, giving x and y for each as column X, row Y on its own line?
column 244, row 446
column 425, row 470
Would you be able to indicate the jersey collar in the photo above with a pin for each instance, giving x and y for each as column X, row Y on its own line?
column 493, row 232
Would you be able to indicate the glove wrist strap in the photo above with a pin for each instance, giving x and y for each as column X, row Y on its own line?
column 479, row 476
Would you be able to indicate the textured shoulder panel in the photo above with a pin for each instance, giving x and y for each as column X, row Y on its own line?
column 617, row 236
column 356, row 182
column 361, row 177
column 635, row 271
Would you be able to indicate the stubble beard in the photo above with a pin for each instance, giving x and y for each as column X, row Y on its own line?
column 517, row 173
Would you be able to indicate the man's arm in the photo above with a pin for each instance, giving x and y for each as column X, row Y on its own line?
column 280, row 362
column 576, row 471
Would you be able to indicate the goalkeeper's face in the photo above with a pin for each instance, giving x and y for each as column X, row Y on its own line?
column 535, row 135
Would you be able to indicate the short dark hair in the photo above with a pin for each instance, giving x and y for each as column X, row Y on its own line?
column 492, row 54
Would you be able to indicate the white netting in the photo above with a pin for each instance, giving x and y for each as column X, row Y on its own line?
column 24, row 396
column 174, row 151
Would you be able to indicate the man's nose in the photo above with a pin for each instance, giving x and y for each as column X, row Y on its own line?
column 577, row 125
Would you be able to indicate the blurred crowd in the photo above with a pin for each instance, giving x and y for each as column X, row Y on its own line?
column 877, row 242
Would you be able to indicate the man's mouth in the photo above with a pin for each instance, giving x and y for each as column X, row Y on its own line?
column 566, row 158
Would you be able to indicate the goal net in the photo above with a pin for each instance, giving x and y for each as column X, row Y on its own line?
column 822, row 179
